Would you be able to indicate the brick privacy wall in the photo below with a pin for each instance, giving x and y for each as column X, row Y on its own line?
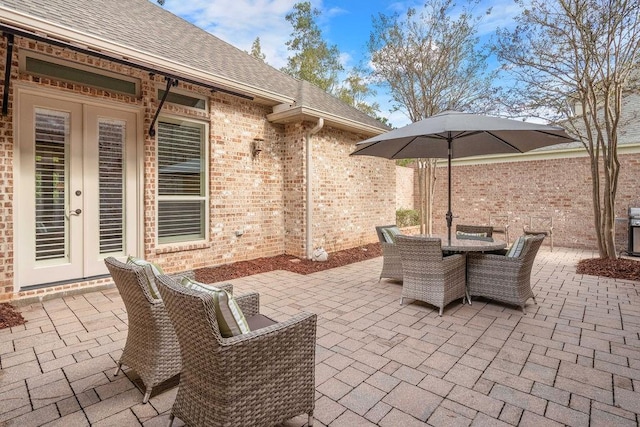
column 264, row 197
column 406, row 190
column 557, row 187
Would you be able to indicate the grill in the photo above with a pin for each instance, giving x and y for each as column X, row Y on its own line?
column 634, row 231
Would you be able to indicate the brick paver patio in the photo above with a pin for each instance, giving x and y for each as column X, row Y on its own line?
column 572, row 360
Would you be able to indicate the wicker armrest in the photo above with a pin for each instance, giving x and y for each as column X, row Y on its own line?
column 452, row 262
column 503, row 264
column 389, row 248
column 298, row 330
column 249, row 303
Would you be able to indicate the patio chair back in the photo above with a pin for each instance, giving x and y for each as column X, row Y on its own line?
column 427, row 275
column 152, row 348
column 379, row 229
column 475, row 229
column 391, row 264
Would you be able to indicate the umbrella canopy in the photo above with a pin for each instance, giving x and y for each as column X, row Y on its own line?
column 453, row 134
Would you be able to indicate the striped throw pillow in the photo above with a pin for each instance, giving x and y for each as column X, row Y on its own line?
column 464, row 234
column 516, row 249
column 228, row 313
column 151, row 270
column 390, row 234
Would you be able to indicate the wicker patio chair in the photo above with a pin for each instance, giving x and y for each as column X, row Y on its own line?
column 151, row 348
column 260, row 378
column 500, row 224
column 502, row 278
column 428, row 276
column 391, row 263
column 475, row 229
column 540, row 225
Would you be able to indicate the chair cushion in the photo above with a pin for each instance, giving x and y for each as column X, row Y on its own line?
column 259, row 321
column 516, row 249
column 151, row 270
column 390, row 234
column 231, row 321
column 473, row 236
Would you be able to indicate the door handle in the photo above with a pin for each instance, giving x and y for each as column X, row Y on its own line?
column 76, row 213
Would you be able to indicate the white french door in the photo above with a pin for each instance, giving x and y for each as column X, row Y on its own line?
column 77, row 189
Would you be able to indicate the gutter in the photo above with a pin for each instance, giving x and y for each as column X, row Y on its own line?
column 309, row 189
column 288, row 114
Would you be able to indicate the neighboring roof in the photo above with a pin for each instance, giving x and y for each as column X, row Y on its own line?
column 144, row 32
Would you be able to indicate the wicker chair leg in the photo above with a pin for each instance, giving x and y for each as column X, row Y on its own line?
column 401, row 300
column 171, row 418
column 524, row 311
column 115, row 374
column 310, row 420
column 534, row 300
column 147, row 395
column 441, row 310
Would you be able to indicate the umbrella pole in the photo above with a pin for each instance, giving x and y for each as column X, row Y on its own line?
column 449, row 215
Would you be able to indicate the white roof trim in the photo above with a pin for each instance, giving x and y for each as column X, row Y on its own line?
column 282, row 114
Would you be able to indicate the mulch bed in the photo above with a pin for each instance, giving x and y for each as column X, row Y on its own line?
column 621, row 268
column 10, row 317
column 286, row 262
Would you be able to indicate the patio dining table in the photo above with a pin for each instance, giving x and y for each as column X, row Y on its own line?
column 468, row 245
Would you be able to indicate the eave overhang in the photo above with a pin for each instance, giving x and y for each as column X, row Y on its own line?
column 290, row 113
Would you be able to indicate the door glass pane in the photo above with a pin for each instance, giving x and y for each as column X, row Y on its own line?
column 111, row 136
column 51, row 141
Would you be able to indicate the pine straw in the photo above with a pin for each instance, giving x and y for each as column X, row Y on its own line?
column 9, row 316
column 621, row 268
column 286, row 262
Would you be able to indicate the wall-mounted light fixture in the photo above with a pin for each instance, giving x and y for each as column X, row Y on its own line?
column 256, row 146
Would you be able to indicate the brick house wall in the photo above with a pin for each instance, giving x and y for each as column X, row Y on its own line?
column 6, row 184
column 560, row 187
column 263, row 197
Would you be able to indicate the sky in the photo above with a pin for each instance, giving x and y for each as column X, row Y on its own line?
column 346, row 24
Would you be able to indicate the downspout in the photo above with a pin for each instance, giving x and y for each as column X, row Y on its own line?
column 309, row 204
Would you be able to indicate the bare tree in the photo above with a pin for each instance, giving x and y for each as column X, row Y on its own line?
column 573, row 61
column 431, row 62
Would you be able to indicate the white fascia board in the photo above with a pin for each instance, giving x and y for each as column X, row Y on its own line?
column 535, row 155
column 57, row 32
column 283, row 114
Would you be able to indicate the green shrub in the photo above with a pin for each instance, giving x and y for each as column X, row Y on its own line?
column 407, row 217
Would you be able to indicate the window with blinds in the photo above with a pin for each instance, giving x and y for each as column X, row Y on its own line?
column 51, row 142
column 111, row 138
column 181, row 181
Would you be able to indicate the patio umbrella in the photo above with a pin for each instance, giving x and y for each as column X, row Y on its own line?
column 452, row 134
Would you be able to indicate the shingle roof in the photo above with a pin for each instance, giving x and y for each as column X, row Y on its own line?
column 145, row 27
